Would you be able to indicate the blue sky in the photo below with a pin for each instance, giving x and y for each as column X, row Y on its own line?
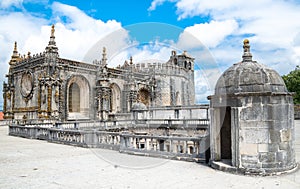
column 272, row 26
column 127, row 12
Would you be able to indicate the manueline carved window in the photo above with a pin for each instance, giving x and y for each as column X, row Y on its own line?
column 74, row 98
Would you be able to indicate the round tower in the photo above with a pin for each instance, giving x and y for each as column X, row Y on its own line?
column 252, row 125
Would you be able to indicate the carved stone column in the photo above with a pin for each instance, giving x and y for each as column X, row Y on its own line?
column 132, row 98
column 104, row 102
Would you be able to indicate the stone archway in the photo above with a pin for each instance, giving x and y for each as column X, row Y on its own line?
column 78, row 98
column 225, row 134
column 115, row 99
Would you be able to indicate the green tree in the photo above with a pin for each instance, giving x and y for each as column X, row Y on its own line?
column 292, row 82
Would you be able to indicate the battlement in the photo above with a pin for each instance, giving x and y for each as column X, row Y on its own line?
column 160, row 68
column 25, row 59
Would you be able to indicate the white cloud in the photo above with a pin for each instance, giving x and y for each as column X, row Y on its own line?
column 190, row 8
column 272, row 27
column 146, row 53
column 212, row 33
column 205, row 81
column 155, row 3
column 9, row 3
column 6, row 4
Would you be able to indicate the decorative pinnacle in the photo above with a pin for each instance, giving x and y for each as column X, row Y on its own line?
column 15, row 52
column 131, row 60
column 104, row 59
column 15, row 56
column 15, row 47
column 247, row 56
column 52, row 30
column 52, row 44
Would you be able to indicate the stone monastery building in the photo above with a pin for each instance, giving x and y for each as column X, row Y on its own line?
column 45, row 86
column 149, row 109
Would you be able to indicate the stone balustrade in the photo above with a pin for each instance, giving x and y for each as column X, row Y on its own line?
column 125, row 136
column 172, row 147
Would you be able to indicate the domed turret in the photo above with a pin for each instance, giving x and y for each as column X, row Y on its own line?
column 249, row 76
column 252, row 123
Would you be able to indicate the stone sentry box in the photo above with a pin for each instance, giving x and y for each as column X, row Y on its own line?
column 252, row 125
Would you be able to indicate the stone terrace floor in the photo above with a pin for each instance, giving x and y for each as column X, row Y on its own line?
column 26, row 163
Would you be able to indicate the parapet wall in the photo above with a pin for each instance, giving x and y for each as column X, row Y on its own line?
column 160, row 68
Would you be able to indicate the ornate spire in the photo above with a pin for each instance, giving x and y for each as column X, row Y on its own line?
column 104, row 59
column 52, row 44
column 52, row 37
column 15, row 56
column 247, row 56
column 15, row 52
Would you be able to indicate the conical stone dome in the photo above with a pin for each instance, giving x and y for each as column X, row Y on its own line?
column 249, row 76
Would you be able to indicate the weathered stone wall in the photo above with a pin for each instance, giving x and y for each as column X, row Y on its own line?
column 266, row 128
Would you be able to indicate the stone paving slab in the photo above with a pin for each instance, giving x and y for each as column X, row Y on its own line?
column 26, row 163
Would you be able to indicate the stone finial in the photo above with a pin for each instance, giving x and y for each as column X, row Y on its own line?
column 173, row 53
column 52, row 30
column 131, row 60
column 15, row 56
column 15, row 47
column 15, row 52
column 104, row 59
column 52, row 44
column 247, row 56
column 52, row 37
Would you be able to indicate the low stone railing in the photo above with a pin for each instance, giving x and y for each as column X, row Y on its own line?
column 22, row 131
column 171, row 147
column 144, row 123
column 95, row 135
column 5, row 122
column 83, row 138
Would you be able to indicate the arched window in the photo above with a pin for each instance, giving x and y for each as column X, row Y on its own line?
column 115, row 101
column 144, row 96
column 175, row 61
column 74, row 98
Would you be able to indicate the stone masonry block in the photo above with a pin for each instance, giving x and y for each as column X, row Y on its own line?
column 284, row 145
column 274, row 136
column 279, row 111
column 285, row 135
column 263, row 147
column 267, row 112
column 248, row 149
column 267, row 157
column 273, row 147
column 249, row 159
column 281, row 156
column 256, row 136
column 269, row 165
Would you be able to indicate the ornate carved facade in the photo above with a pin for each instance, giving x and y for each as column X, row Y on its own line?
column 45, row 86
